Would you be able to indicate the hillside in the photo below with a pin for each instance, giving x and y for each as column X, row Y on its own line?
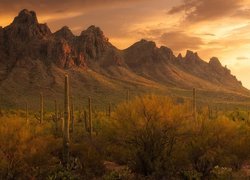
column 34, row 59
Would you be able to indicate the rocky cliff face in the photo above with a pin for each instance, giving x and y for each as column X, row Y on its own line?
column 26, row 27
column 65, row 33
column 160, row 64
column 30, row 52
column 93, row 43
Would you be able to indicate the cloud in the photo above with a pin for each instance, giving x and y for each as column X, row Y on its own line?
column 201, row 10
column 242, row 58
column 242, row 13
column 179, row 40
column 207, row 34
column 60, row 9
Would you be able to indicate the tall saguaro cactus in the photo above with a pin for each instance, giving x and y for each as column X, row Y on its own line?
column 85, row 121
column 66, row 139
column 248, row 117
column 72, row 116
column 109, row 110
column 90, row 118
column 56, row 116
column 27, row 113
column 194, row 105
column 41, row 108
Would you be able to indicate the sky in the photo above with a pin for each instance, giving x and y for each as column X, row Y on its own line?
column 219, row 28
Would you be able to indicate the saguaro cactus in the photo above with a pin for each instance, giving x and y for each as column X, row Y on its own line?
column 27, row 113
column 248, row 116
column 72, row 116
column 90, row 118
column 109, row 110
column 216, row 112
column 194, row 105
column 85, row 120
column 56, row 116
column 41, row 108
column 79, row 114
column 66, row 139
column 41, row 112
column 1, row 112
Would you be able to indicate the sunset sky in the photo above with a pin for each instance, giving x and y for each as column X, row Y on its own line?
column 218, row 28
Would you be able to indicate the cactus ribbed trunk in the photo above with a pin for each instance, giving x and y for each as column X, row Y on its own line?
column 41, row 108
column 56, row 116
column 79, row 114
column 216, row 112
column 109, row 111
column 66, row 139
column 194, row 105
column 85, row 121
column 72, row 116
column 1, row 112
column 90, row 118
column 27, row 113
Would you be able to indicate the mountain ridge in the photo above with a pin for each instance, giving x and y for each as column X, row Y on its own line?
column 32, row 54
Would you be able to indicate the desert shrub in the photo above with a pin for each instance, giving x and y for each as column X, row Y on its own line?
column 33, row 151
column 211, row 144
column 239, row 149
column 155, row 137
column 221, row 173
column 90, row 161
column 147, row 132
column 124, row 174
column 25, row 151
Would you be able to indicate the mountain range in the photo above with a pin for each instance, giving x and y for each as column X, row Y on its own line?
column 33, row 59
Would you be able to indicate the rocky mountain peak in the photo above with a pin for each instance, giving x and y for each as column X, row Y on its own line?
column 93, row 42
column 190, row 55
column 143, row 45
column 147, row 43
column 94, row 32
column 26, row 17
column 94, row 29
column 166, row 50
column 64, row 33
column 179, row 56
column 25, row 27
column 214, row 61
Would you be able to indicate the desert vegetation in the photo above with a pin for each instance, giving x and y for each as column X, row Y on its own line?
column 148, row 137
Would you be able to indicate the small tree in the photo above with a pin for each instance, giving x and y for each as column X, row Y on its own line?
column 149, row 130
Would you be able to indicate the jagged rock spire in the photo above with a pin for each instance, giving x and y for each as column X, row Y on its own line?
column 26, row 17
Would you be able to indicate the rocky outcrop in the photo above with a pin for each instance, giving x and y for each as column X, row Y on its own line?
column 93, row 43
column 191, row 56
column 65, row 56
column 64, row 33
column 215, row 62
column 25, row 27
column 143, row 53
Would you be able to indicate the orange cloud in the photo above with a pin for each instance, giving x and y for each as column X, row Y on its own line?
column 200, row 10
